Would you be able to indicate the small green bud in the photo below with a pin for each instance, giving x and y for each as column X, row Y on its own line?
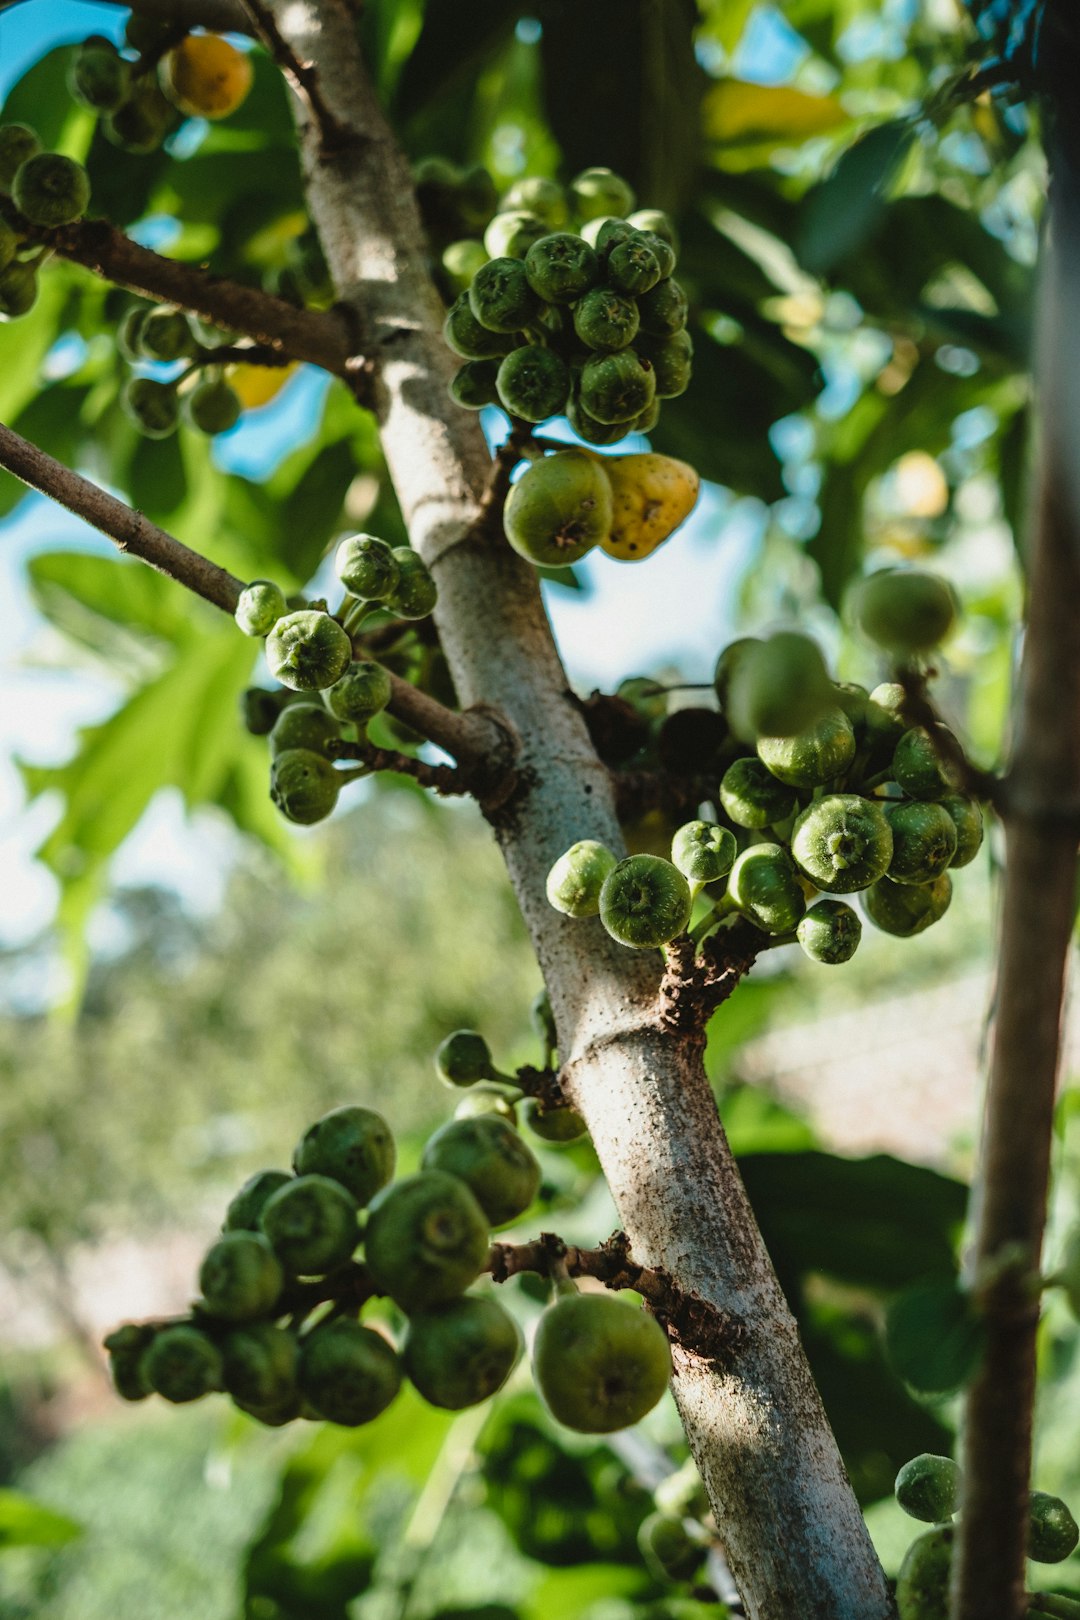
column 843, row 842
column 905, row 909
column 348, row 1373
column 575, row 881
column 555, row 1125
column 367, row 567
column 261, row 605
column 213, row 406
column 928, row 1488
column 261, row 1363
column 501, row 298
column 779, row 688
column 1053, row 1533
column 617, row 387
column 306, row 726
column 511, row 233
column 751, row 796
column 127, row 1346
column 182, row 1364
column 241, row 1277
column 599, row 1364
column 18, row 143
column 361, row 693
column 415, row 594
column 645, row 901
column 829, row 932
column 245, row 1208
column 924, row 841
column 51, row 190
column 304, row 785
column 533, row 383
column 600, row 191
column 561, row 267
column 426, row 1240
column 764, row 885
column 463, row 1058
column 152, row 406
column 461, row 1353
column 311, row 1224
column 352, row 1145
column 967, row 818
column 18, row 290
column 559, row 509
column 905, row 610
column 922, row 1586
column 918, row 767
column 606, row 320
column 489, row 1156
column 307, row 650
column 703, row 851
column 815, row 756
column 669, row 1551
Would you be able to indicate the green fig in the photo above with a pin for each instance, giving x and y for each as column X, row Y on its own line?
column 459, row 1354
column 426, row 1240
column 599, row 1364
column 575, row 881
column 245, row 1208
column 308, row 650
column 311, row 1224
column 348, row 1373
column 182, row 1364
column 928, row 1488
column 645, row 901
column 261, row 605
column 843, row 842
column 764, row 885
column 304, row 785
column 829, row 932
column 240, row 1277
column 489, row 1156
column 352, row 1145
column 360, row 694
column 51, row 190
column 905, row 909
column 559, row 509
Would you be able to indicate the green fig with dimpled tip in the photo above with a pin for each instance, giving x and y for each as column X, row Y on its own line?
column 261, row 605
column 352, row 1145
column 928, row 1488
column 349, row 1374
column 261, row 1363
column 599, row 1364
column 311, row 1223
column 360, row 694
column 426, row 1240
column 555, row 1125
column 308, row 650
column 829, row 932
column 458, row 1354
column 764, row 886
column 905, row 909
column 645, row 901
column 842, row 842
column 703, row 852
column 242, row 1214
column 182, row 1364
column 489, row 1156
column 240, row 1277
column 574, row 882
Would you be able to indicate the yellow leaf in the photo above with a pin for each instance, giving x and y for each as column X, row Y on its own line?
column 738, row 112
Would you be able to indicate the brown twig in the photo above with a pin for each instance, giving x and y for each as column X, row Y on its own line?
column 541, row 1084
column 445, row 779
column 694, row 987
column 247, row 354
column 487, row 525
column 335, row 136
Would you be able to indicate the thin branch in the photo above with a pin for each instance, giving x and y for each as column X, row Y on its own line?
column 445, row 779
column 481, row 739
column 247, row 354
column 126, row 528
column 335, row 135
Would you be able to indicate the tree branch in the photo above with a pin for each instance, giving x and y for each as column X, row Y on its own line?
column 337, row 135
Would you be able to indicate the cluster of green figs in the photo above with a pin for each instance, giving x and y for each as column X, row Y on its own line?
column 327, row 698
column 281, row 1323
column 40, row 189
column 564, row 299
column 829, row 793
column 928, row 1488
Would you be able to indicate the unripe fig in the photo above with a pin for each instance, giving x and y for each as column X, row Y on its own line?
column 599, row 191
column 490, row 1157
column 461, row 260
column 559, row 508
column 360, row 694
column 245, row 1208
column 616, row 387
column 905, row 610
column 663, row 309
column 648, row 419
column 779, row 688
column 633, row 267
column 853, row 699
column 922, row 1586
column 261, row 605
column 645, row 901
column 1053, row 1533
column 311, row 1224
column 533, row 383
column 352, row 1145
column 561, row 267
column 260, row 709
column 703, row 851
column 304, row 785
column 883, row 719
column 967, row 818
column 905, row 909
column 605, row 320
column 127, row 1347
column 589, row 429
column 501, row 298
column 605, row 233
column 918, row 767
column 671, row 359
column 129, row 331
column 308, row 650
column 415, row 594
column 99, row 78
column 241, row 1277
column 426, row 1240
column 829, row 932
column 751, row 796
column 651, row 496
column 669, row 1551
column 18, row 290
column 654, row 221
column 152, row 406
column 141, row 124
column 367, row 567
column 182, row 1364
column 459, row 1354
column 463, row 333
column 206, row 77
column 599, row 1365
column 50, row 189
column 537, row 195
column 727, row 663
column 575, row 881
column 555, row 1125
column 682, row 1494
column 475, row 384
column 348, row 1373
column 928, row 1488
column 813, row 757
column 261, row 1363
column 764, row 886
column 18, row 143
column 924, row 841
column 843, row 842
column 214, row 406
column 486, row 1099
column 477, row 199
column 463, row 1058
column 510, row 234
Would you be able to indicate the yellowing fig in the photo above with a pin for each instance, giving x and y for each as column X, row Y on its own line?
column 652, row 495
column 206, row 77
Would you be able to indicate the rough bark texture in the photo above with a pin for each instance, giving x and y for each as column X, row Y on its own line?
column 791, row 1526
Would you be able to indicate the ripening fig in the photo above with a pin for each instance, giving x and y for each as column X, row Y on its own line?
column 360, row 694
column 616, row 387
column 645, row 901
column 703, row 852
column 463, row 1058
column 924, row 841
column 311, row 1224
column 533, row 383
column 475, row 385
column 669, row 1550
column 967, row 818
column 559, row 509
column 600, row 191
column 928, row 1488
column 663, row 309
column 261, row 1363
column 511, row 233
column 813, row 757
column 50, row 189
column 426, row 1240
column 555, row 1125
column 352, row 1145
column 751, row 796
column 459, row 1354
column 240, row 1277
column 367, row 567
column 843, row 842
column 18, row 143
column 182, row 1364
column 304, row 785
column 764, row 885
column 905, row 909
column 561, row 267
column 918, row 766
column 905, row 611
column 501, row 298
column 142, row 122
column 1053, row 1533
column 829, row 932
column 575, row 881
column 244, row 1209
column 153, row 406
column 127, row 1346
column 606, row 320
column 463, row 333
column 779, row 688
column 415, row 594
column 206, row 77
column 599, row 1364
column 308, row 650
column 672, row 361
column 99, row 77
column 18, row 290
column 261, row 605
column 348, row 1373
column 213, row 406
column 922, row 1585
column 651, row 496
column 489, row 1156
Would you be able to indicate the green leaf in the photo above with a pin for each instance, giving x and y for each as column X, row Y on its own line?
column 933, row 1338
column 842, row 212
column 26, row 1523
column 725, row 21
column 311, row 514
column 87, row 597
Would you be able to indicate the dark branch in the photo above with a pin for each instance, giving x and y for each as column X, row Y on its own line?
column 334, row 135
column 692, row 988
column 445, row 779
